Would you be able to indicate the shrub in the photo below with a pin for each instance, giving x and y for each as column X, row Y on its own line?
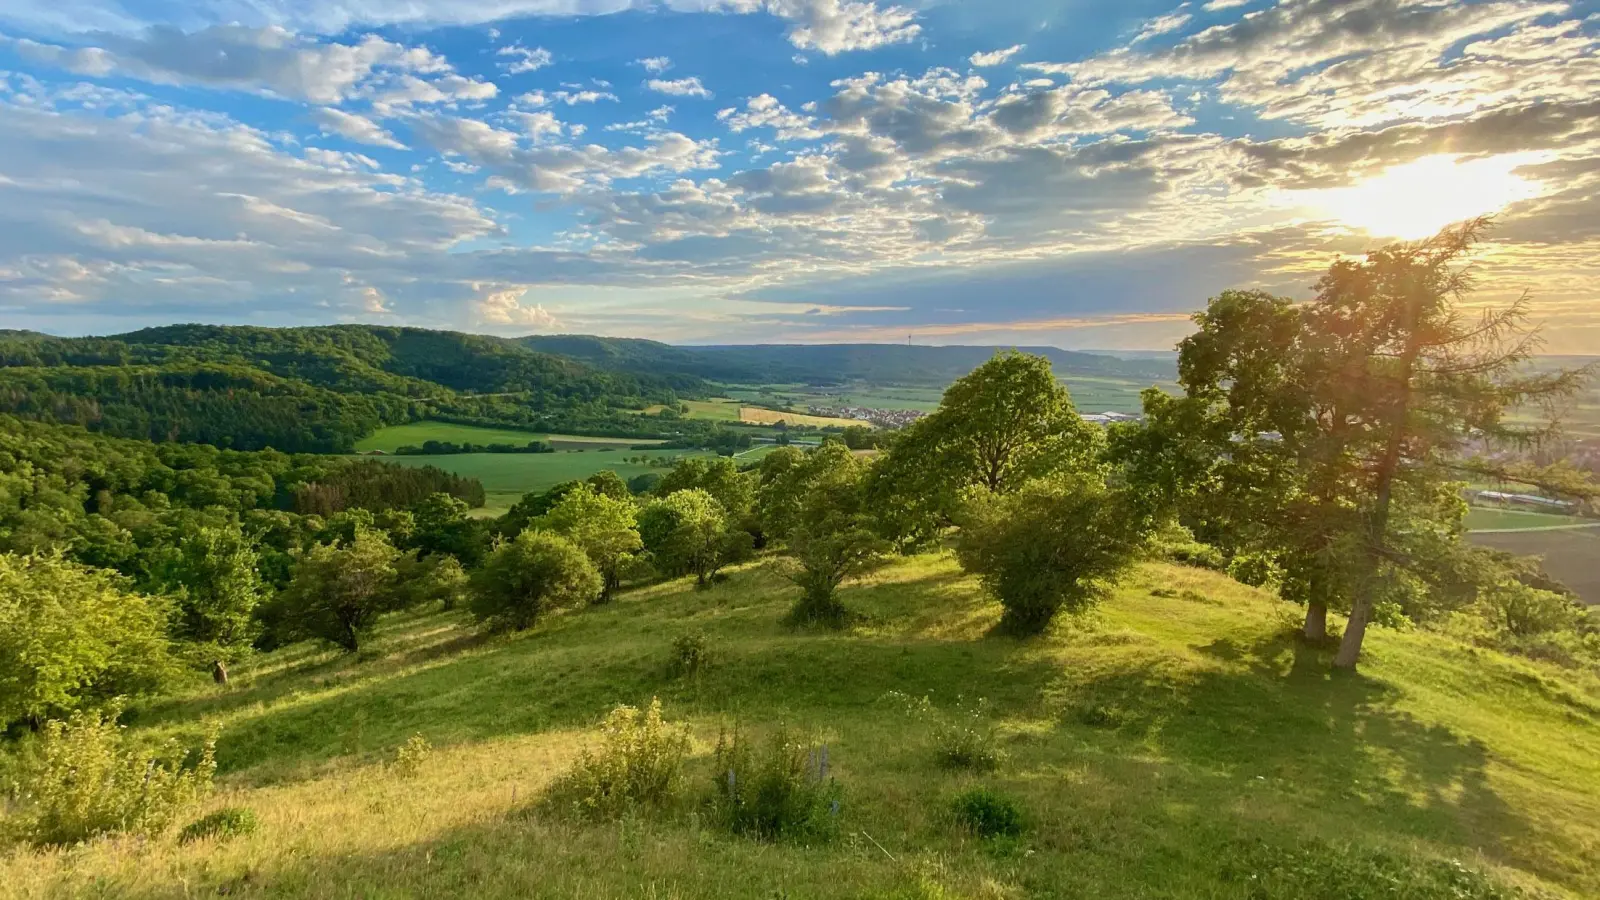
column 784, row 792
column 691, row 655
column 231, row 822
column 338, row 592
column 962, row 739
column 987, row 813
column 525, row 577
column 1254, row 569
column 87, row 779
column 1175, row 543
column 70, row 636
column 639, row 766
column 1052, row 544
column 411, row 756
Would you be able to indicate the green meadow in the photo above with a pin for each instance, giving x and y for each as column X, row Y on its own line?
column 1176, row 744
column 416, row 433
column 507, row 476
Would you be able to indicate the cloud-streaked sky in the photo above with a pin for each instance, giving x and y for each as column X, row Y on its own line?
column 949, row 171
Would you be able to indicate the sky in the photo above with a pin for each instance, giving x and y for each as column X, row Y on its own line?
column 1067, row 172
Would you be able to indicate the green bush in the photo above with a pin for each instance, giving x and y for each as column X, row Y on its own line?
column 639, row 766
column 987, row 813
column 412, row 756
column 1052, row 544
column 526, row 577
column 783, row 792
column 86, row 778
column 231, row 822
column 1175, row 543
column 691, row 655
column 963, row 738
column 1254, row 569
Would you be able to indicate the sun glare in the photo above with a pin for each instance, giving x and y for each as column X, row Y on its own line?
column 1416, row 199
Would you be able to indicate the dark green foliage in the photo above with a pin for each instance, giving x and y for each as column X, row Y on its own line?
column 448, row 448
column 818, row 504
column 524, row 578
column 228, row 822
column 783, row 790
column 1050, row 545
column 691, row 655
column 688, row 533
column 987, row 813
column 339, row 591
column 308, row 389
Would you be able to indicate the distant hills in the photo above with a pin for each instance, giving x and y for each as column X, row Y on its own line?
column 828, row 363
column 321, row 389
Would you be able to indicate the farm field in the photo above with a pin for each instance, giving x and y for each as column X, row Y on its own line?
column 415, row 433
column 507, row 476
column 756, row 415
column 1089, row 394
column 1175, row 745
column 1480, row 518
column 1571, row 555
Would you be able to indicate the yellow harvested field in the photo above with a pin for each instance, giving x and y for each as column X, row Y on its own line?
column 755, row 415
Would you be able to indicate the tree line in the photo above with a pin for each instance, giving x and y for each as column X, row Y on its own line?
column 1317, row 449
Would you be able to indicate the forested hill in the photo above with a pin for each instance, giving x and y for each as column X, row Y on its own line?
column 309, row 389
column 828, row 363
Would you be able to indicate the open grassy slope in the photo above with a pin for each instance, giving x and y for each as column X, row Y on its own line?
column 1173, row 746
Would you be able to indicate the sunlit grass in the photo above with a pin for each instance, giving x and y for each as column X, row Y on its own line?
column 1147, row 743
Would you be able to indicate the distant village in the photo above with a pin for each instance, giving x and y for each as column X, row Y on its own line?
column 899, row 418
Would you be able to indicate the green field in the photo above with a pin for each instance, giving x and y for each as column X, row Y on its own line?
column 507, row 476
column 1089, row 393
column 1169, row 747
column 415, row 433
column 1481, row 518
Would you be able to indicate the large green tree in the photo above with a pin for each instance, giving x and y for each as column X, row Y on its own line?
column 688, row 532
column 829, row 536
column 527, row 576
column 214, row 577
column 72, row 635
column 604, row 526
column 339, row 591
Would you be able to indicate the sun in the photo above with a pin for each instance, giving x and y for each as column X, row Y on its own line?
column 1416, row 199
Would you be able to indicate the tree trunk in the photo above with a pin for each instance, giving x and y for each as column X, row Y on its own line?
column 1378, row 525
column 1316, row 630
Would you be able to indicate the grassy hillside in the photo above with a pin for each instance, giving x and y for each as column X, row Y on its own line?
column 1175, row 745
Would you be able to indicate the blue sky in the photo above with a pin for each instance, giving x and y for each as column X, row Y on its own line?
column 952, row 171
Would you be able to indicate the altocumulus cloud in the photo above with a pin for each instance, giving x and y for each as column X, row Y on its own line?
column 867, row 171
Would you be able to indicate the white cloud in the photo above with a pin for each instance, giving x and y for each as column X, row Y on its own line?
column 1162, row 25
column 355, row 127
column 501, row 304
column 995, row 57
column 680, row 87
column 765, row 111
column 269, row 60
column 655, row 65
column 526, row 60
column 570, row 98
column 837, row 26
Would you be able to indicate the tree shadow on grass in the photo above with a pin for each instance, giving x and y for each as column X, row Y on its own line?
column 1274, row 713
column 562, row 676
